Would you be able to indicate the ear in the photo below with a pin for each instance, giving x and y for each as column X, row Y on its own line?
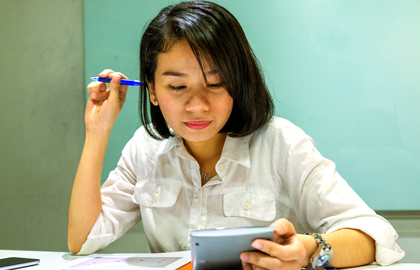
column 152, row 94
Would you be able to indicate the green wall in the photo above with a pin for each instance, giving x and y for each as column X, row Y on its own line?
column 346, row 72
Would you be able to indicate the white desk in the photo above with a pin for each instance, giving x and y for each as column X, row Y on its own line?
column 49, row 259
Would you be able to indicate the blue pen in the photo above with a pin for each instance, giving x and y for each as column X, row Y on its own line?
column 123, row 81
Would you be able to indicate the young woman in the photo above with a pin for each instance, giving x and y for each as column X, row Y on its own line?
column 211, row 154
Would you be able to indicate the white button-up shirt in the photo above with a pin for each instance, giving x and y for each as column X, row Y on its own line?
column 273, row 173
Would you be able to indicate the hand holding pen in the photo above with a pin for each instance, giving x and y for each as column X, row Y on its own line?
column 105, row 104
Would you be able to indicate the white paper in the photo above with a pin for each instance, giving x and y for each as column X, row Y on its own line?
column 138, row 261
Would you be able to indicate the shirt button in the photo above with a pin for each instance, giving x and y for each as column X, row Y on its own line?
column 247, row 206
column 221, row 167
column 156, row 196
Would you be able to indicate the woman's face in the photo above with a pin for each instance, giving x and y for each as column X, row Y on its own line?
column 193, row 109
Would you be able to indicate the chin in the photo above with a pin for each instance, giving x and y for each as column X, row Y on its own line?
column 198, row 136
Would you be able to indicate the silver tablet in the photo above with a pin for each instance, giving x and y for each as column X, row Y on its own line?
column 220, row 248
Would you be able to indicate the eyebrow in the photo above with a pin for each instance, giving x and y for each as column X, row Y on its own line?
column 179, row 74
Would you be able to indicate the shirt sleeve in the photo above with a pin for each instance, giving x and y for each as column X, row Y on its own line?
column 119, row 212
column 325, row 202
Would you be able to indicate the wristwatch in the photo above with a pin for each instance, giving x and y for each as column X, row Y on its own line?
column 324, row 257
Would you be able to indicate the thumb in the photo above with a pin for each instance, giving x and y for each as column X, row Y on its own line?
column 114, row 89
column 117, row 91
column 283, row 230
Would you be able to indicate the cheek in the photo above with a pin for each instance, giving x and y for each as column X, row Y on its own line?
column 226, row 105
column 163, row 103
column 167, row 106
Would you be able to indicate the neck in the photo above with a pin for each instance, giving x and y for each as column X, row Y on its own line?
column 206, row 151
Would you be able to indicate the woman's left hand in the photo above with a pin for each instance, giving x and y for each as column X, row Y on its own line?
column 286, row 251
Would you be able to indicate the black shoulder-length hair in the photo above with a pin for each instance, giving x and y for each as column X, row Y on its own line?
column 216, row 37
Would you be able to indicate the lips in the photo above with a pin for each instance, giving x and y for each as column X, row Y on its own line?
column 197, row 124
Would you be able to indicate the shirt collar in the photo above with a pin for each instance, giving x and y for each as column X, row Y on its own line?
column 235, row 149
column 168, row 144
column 177, row 143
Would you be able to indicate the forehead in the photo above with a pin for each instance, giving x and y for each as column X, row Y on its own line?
column 180, row 57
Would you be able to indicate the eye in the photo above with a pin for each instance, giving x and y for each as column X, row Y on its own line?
column 215, row 85
column 176, row 88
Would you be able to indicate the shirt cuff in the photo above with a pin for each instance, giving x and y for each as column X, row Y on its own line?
column 385, row 236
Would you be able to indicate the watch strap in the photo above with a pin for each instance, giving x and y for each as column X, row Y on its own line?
column 324, row 257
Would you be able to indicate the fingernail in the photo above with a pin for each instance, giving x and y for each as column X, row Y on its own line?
column 277, row 227
column 93, row 95
column 257, row 245
column 116, row 79
column 244, row 257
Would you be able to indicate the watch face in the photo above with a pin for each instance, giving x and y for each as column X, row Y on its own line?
column 322, row 260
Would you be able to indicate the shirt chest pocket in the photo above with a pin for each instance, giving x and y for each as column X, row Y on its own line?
column 249, row 205
column 152, row 194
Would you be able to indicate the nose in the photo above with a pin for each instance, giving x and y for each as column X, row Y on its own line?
column 197, row 101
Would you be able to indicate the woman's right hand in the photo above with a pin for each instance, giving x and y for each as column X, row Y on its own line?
column 105, row 104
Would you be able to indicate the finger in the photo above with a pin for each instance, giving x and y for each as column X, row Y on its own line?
column 283, row 228
column 97, row 90
column 290, row 252
column 118, row 73
column 117, row 91
column 100, row 96
column 105, row 73
column 110, row 73
column 246, row 266
column 256, row 267
column 261, row 261
column 114, row 88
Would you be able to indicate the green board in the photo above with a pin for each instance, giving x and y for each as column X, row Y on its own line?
column 346, row 72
